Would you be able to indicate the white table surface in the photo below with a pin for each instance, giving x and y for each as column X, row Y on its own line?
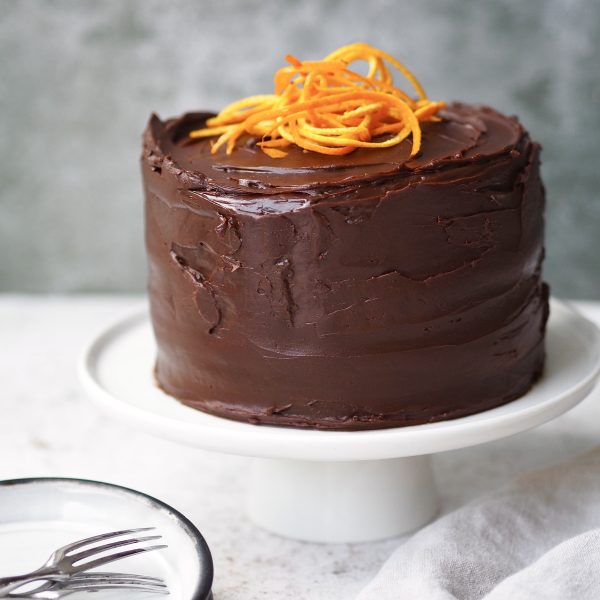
column 49, row 428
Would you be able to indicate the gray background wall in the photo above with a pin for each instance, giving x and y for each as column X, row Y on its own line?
column 78, row 79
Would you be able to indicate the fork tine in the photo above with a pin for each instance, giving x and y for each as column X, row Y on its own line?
column 67, row 591
column 97, row 549
column 99, row 538
column 108, row 574
column 103, row 560
column 116, row 581
column 163, row 592
column 95, row 576
column 121, row 582
column 115, row 584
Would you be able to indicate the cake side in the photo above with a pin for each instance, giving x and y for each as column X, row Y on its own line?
column 371, row 290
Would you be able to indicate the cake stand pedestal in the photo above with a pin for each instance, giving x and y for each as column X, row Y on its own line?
column 342, row 501
column 335, row 486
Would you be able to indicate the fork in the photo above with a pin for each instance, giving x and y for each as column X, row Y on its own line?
column 65, row 562
column 94, row 582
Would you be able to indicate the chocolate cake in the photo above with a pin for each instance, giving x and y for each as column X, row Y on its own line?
column 373, row 289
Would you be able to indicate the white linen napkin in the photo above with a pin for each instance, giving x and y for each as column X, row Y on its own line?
column 537, row 538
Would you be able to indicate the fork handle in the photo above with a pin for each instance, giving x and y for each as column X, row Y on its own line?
column 9, row 584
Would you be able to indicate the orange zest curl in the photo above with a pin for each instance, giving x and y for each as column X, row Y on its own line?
column 325, row 107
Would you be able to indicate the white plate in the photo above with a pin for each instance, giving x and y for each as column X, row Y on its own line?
column 117, row 366
column 39, row 515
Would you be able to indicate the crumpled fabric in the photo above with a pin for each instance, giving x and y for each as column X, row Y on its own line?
column 537, row 538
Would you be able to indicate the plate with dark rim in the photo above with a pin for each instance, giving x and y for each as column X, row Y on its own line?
column 38, row 515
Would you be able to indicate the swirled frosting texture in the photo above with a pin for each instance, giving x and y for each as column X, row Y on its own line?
column 356, row 292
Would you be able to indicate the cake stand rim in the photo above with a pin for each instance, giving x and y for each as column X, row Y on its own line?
column 232, row 437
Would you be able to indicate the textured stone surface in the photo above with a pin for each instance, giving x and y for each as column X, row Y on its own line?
column 79, row 80
column 49, row 428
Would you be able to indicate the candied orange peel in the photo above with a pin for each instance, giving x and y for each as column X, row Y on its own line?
column 324, row 106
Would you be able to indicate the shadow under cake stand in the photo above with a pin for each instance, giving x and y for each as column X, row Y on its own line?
column 335, row 486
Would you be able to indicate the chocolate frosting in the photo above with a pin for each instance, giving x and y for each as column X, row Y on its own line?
column 362, row 291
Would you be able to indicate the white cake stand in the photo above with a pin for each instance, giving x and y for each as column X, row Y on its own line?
column 332, row 486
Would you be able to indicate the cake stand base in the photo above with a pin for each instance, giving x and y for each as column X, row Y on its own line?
column 335, row 486
column 342, row 501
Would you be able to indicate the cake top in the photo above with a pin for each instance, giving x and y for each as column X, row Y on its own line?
column 465, row 135
column 274, row 153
